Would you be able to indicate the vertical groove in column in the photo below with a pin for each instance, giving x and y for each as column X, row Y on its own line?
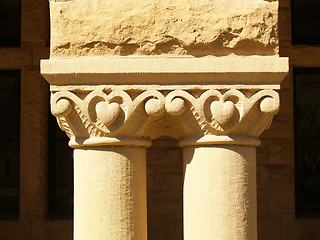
column 110, row 193
column 220, row 193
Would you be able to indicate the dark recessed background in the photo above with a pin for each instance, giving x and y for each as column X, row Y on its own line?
column 307, row 140
column 305, row 21
column 9, row 142
column 10, row 23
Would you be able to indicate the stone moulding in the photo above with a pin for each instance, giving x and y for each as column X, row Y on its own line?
column 268, row 70
column 130, row 101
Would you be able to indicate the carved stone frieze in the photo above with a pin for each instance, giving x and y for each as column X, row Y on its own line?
column 133, row 100
column 103, row 114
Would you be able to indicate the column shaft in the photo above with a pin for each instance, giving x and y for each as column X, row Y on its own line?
column 220, row 193
column 110, row 193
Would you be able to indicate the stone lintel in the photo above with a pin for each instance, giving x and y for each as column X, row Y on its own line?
column 246, row 72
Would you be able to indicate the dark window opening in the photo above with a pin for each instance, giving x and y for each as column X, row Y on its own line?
column 9, row 143
column 60, row 171
column 305, row 21
column 307, row 141
column 10, row 23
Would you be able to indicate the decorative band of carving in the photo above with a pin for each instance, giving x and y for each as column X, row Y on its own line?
column 103, row 115
column 219, row 113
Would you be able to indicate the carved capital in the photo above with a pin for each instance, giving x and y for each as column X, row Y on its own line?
column 104, row 115
column 197, row 101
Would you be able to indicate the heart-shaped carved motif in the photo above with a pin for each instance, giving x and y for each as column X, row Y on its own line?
column 107, row 113
column 222, row 112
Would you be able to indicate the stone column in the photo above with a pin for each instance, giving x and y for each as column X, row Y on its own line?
column 220, row 160
column 110, row 193
column 110, row 199
column 220, row 199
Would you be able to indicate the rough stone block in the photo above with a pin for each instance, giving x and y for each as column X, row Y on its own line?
column 198, row 28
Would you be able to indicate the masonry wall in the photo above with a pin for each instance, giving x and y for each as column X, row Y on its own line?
column 275, row 156
column 33, row 222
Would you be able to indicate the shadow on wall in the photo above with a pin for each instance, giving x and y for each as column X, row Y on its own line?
column 164, row 186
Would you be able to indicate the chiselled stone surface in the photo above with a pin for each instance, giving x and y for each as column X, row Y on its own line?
column 106, row 114
column 158, row 27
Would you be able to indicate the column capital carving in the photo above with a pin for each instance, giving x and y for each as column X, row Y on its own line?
column 113, row 116
column 196, row 114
